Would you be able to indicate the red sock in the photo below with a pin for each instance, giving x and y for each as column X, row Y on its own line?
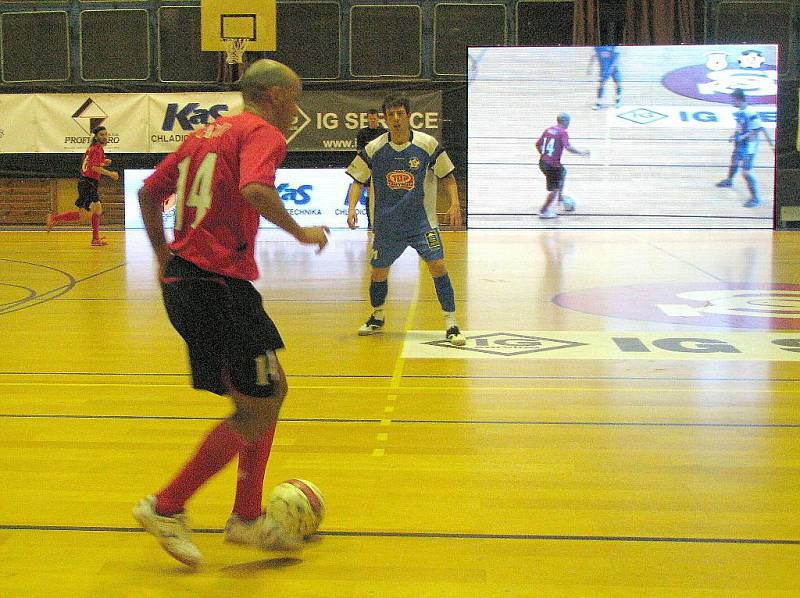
column 95, row 227
column 250, row 484
column 67, row 216
column 214, row 453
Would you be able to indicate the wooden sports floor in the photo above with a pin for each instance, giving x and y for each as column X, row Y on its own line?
column 646, row 467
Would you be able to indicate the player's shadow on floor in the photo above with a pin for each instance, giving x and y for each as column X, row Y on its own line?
column 261, row 565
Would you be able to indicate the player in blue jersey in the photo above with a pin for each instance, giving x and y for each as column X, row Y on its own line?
column 608, row 59
column 405, row 169
column 745, row 146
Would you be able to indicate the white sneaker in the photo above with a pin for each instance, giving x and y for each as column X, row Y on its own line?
column 547, row 214
column 171, row 532
column 455, row 337
column 264, row 533
column 371, row 326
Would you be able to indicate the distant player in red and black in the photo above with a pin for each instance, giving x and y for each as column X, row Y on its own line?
column 553, row 141
column 223, row 177
column 92, row 167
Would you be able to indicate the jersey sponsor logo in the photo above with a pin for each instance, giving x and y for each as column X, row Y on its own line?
column 400, row 179
column 727, row 305
column 433, row 239
column 723, row 72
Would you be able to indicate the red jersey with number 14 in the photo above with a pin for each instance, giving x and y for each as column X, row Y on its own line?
column 215, row 227
column 551, row 144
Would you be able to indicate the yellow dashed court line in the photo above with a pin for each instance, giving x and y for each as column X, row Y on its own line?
column 397, row 374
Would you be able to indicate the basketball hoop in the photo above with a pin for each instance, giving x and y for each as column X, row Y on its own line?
column 234, row 49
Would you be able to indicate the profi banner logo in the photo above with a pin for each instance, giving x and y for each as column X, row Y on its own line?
column 89, row 116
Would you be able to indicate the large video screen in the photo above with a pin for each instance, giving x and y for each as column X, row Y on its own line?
column 312, row 196
column 660, row 136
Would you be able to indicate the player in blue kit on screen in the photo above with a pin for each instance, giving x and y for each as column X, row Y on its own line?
column 745, row 146
column 608, row 59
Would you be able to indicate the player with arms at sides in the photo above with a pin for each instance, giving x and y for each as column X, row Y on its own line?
column 405, row 169
column 551, row 144
column 224, row 178
column 92, row 167
column 745, row 146
column 608, row 59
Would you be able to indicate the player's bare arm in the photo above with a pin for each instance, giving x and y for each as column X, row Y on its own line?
column 574, row 150
column 451, row 191
column 154, row 225
column 269, row 204
column 353, row 195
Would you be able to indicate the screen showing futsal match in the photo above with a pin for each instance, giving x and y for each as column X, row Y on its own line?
column 622, row 136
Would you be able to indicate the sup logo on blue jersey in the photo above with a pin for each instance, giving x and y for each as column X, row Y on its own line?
column 433, row 240
column 400, row 179
column 413, row 163
column 721, row 73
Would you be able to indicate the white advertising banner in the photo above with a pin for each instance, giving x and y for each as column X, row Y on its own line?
column 313, row 196
column 174, row 116
column 18, row 130
column 140, row 123
column 64, row 122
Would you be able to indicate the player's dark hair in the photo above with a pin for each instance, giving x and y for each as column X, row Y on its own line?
column 738, row 94
column 95, row 131
column 396, row 101
column 372, row 111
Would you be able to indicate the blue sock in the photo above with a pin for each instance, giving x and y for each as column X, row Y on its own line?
column 752, row 184
column 378, row 292
column 444, row 291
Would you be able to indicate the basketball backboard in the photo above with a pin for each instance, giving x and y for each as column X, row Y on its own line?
column 253, row 20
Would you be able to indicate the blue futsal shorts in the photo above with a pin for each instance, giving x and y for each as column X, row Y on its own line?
column 386, row 249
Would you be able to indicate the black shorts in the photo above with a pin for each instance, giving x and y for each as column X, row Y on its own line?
column 554, row 175
column 231, row 339
column 87, row 192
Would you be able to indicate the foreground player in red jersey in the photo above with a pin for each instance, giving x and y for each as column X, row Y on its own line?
column 93, row 165
column 224, row 180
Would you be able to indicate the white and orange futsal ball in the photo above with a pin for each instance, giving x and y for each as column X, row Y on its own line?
column 298, row 506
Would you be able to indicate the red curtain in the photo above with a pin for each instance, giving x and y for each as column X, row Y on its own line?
column 659, row 22
column 586, row 23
